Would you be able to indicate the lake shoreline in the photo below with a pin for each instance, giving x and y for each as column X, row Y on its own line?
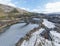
column 28, row 35
column 3, row 28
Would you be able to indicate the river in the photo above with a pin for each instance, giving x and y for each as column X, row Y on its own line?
column 11, row 36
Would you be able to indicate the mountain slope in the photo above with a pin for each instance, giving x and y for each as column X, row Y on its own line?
column 11, row 11
column 10, row 15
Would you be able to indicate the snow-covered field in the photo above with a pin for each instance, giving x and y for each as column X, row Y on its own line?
column 55, row 38
column 48, row 24
column 37, row 40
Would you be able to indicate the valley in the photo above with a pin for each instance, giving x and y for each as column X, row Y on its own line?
column 22, row 28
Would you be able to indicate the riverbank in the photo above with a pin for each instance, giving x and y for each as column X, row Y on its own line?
column 8, row 24
column 12, row 35
column 28, row 35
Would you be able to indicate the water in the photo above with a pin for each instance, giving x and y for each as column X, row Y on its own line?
column 14, row 33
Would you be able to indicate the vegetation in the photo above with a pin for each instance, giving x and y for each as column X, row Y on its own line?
column 10, row 15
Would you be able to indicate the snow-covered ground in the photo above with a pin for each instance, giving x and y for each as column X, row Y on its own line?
column 14, row 33
column 36, row 40
column 55, row 37
column 48, row 24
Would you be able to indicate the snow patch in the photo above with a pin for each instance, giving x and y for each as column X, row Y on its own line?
column 55, row 38
column 56, row 44
column 36, row 40
column 48, row 23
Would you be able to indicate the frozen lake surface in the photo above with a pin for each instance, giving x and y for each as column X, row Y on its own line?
column 14, row 33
